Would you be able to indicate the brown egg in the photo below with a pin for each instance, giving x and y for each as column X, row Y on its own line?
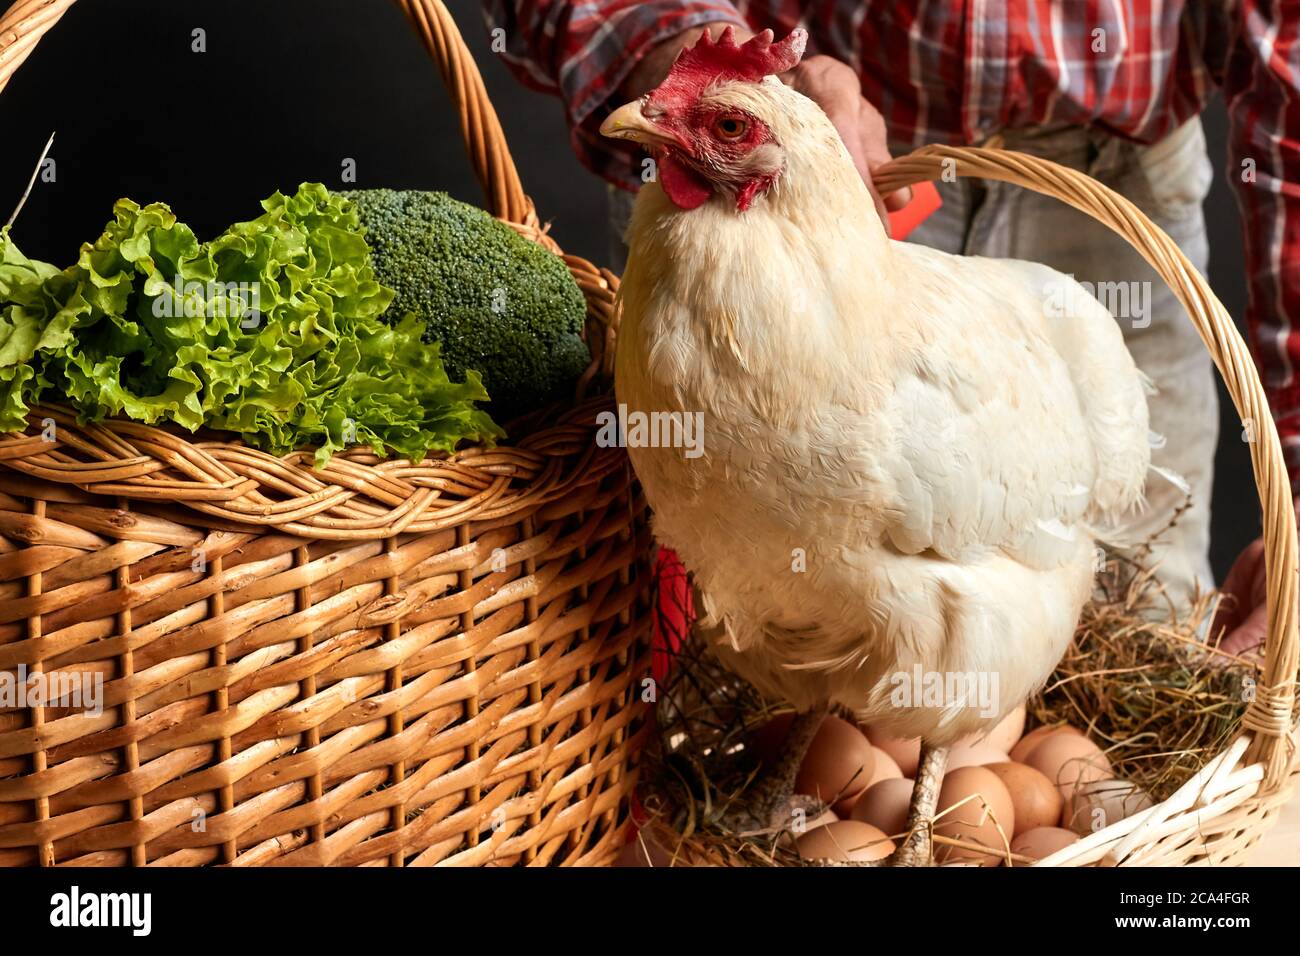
column 1008, row 730
column 845, row 840
column 838, row 766
column 974, row 755
column 1042, row 842
column 886, row 768
column 1069, row 759
column 976, row 820
column 1036, row 800
column 1025, row 745
column 1095, row 805
column 905, row 753
column 833, row 751
column 885, row 805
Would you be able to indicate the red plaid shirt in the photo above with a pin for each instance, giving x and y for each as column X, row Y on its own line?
column 955, row 71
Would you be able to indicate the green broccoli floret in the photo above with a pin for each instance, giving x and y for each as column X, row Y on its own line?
column 497, row 303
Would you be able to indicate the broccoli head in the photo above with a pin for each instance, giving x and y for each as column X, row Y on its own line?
column 497, row 303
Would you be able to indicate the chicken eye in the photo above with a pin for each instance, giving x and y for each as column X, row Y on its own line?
column 730, row 127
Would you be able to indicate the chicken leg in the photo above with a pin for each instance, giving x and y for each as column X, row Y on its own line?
column 917, row 847
column 770, row 803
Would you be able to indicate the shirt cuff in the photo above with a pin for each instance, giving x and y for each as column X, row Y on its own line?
column 624, row 41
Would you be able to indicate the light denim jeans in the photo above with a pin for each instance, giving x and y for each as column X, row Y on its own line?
column 1168, row 181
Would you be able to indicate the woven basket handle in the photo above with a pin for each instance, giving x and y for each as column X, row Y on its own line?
column 27, row 21
column 1269, row 715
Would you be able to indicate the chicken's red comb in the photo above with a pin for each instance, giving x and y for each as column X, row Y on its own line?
column 752, row 60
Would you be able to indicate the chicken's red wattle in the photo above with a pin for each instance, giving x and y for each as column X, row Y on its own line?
column 684, row 186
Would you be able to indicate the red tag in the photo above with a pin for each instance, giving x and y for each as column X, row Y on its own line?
column 924, row 203
column 675, row 614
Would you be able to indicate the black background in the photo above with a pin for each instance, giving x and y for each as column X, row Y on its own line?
column 319, row 910
column 289, row 89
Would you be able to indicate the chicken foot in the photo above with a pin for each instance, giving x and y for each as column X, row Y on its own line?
column 770, row 804
column 917, row 846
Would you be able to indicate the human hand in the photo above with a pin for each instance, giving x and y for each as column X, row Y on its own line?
column 834, row 87
column 1243, row 619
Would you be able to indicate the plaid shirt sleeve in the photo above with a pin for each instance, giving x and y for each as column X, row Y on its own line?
column 583, row 52
column 1262, row 88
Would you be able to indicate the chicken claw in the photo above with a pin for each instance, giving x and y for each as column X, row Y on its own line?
column 771, row 805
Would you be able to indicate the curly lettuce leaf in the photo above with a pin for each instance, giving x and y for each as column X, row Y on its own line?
column 271, row 330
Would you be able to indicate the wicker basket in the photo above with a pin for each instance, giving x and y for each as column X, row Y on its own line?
column 1222, row 811
column 379, row 663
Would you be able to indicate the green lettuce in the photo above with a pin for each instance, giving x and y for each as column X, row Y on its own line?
column 271, row 330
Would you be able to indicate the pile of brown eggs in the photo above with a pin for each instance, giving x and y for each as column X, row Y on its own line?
column 1035, row 793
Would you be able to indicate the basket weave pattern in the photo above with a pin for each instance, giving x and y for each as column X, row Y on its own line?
column 377, row 663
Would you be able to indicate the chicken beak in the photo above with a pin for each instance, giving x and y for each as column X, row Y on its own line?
column 628, row 122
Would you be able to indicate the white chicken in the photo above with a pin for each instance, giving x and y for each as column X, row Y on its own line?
column 908, row 456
